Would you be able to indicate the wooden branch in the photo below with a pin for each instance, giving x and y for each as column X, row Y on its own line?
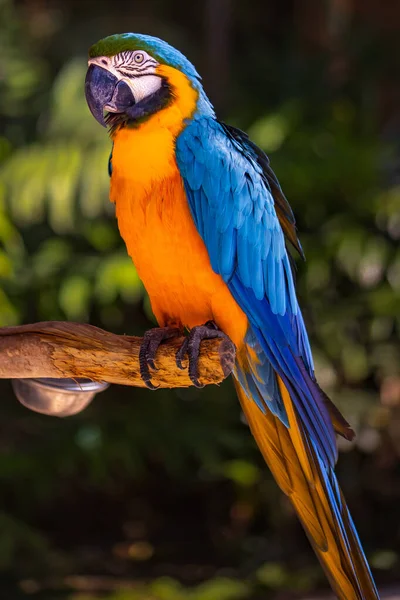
column 61, row 349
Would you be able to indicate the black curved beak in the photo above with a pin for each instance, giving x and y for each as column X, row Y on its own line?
column 100, row 85
column 104, row 92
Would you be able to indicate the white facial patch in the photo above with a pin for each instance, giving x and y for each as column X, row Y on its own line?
column 143, row 86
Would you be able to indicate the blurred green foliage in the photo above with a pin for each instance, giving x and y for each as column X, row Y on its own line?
column 164, row 496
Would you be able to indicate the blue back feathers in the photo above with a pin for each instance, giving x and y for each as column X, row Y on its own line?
column 245, row 221
column 233, row 206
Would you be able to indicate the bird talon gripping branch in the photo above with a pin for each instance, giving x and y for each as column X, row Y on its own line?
column 208, row 228
column 152, row 340
column 191, row 348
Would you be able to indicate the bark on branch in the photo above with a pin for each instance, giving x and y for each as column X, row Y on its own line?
column 62, row 349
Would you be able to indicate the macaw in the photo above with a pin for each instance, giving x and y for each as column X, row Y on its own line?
column 208, row 228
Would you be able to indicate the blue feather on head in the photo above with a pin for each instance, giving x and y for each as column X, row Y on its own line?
column 159, row 49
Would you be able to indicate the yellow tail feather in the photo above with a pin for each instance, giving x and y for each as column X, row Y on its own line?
column 323, row 512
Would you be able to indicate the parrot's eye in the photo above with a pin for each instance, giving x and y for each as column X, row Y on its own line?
column 138, row 58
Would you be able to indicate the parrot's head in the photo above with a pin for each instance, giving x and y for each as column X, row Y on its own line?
column 132, row 76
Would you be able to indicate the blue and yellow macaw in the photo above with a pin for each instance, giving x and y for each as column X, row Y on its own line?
column 207, row 226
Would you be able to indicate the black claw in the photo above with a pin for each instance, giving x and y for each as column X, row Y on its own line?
column 151, row 342
column 191, row 348
column 151, row 386
column 152, row 364
column 144, row 366
column 180, row 355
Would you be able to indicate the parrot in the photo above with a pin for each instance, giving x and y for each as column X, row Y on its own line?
column 211, row 235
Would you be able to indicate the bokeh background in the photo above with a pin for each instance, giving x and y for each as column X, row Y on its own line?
column 164, row 496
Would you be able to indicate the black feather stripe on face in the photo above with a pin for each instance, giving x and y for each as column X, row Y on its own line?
column 124, row 62
column 134, row 73
column 135, row 115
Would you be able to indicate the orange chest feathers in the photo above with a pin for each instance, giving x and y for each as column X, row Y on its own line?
column 154, row 217
column 155, row 222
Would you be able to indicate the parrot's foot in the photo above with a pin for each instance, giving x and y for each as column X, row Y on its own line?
column 191, row 348
column 151, row 342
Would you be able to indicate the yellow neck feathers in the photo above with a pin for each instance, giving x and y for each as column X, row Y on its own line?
column 183, row 105
column 147, row 152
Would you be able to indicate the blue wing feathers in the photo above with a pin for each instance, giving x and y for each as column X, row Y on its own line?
column 228, row 253
column 269, row 274
column 197, row 200
column 225, row 216
column 225, row 181
column 198, row 173
column 234, row 209
column 258, row 273
column 266, row 239
column 290, row 285
column 243, row 259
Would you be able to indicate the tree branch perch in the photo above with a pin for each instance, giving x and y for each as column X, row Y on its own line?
column 61, row 349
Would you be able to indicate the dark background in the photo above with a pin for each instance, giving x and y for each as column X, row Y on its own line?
column 164, row 496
